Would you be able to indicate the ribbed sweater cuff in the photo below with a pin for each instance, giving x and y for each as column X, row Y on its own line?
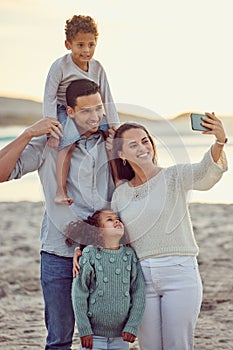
column 130, row 329
column 82, row 332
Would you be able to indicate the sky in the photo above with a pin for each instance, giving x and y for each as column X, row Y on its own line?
column 167, row 56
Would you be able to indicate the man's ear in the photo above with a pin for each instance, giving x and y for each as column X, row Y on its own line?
column 70, row 111
column 67, row 45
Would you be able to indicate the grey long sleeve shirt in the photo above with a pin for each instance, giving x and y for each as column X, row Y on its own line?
column 89, row 182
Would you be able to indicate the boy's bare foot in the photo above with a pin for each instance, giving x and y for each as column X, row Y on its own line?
column 52, row 142
column 63, row 199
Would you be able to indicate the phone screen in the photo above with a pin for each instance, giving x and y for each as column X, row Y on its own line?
column 196, row 120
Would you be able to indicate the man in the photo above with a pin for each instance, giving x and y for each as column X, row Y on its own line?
column 89, row 183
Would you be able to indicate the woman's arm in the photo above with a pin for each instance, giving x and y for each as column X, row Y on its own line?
column 216, row 129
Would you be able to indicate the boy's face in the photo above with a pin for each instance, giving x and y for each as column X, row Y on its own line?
column 87, row 113
column 82, row 48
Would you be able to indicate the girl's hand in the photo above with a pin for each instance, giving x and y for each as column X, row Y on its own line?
column 87, row 341
column 76, row 266
column 215, row 126
column 128, row 337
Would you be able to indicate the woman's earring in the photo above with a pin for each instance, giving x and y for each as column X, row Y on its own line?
column 124, row 162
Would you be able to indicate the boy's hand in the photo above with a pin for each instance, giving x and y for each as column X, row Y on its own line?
column 87, row 341
column 109, row 139
column 76, row 266
column 128, row 337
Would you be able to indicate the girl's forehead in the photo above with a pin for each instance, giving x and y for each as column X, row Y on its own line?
column 106, row 213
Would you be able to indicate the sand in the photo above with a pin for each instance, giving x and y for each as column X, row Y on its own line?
column 21, row 311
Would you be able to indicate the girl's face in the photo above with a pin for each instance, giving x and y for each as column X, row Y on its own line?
column 111, row 226
column 136, row 147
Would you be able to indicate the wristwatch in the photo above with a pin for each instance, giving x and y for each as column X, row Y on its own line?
column 222, row 143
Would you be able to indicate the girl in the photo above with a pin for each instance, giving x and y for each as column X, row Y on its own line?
column 108, row 293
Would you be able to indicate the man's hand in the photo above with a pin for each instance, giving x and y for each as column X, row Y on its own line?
column 49, row 126
column 87, row 341
column 128, row 337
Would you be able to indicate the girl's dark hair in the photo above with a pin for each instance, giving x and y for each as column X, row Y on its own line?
column 88, row 231
column 85, row 231
column 126, row 172
column 80, row 24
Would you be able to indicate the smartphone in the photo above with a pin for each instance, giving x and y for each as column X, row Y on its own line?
column 196, row 120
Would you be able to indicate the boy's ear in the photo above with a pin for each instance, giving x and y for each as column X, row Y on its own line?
column 70, row 111
column 67, row 45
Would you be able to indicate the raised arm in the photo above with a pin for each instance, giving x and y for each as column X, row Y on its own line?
column 215, row 124
column 11, row 153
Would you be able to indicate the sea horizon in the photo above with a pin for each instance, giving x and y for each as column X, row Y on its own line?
column 172, row 148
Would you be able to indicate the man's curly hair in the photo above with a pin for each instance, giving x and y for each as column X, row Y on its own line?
column 80, row 23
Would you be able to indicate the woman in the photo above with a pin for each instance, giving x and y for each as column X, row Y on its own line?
column 153, row 205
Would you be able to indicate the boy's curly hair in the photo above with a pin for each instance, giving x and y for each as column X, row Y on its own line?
column 80, row 23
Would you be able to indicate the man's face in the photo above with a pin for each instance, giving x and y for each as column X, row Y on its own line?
column 87, row 113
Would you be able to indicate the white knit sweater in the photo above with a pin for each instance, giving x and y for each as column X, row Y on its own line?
column 156, row 213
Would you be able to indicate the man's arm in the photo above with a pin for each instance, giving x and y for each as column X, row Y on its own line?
column 11, row 153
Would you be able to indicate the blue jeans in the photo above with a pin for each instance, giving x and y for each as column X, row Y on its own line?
column 104, row 343
column 56, row 281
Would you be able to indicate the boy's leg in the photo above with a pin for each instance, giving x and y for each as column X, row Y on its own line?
column 62, row 117
column 56, row 281
column 62, row 169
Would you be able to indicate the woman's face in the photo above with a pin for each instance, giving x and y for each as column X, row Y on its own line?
column 136, row 147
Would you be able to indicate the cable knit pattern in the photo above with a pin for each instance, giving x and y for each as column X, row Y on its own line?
column 156, row 213
column 108, row 295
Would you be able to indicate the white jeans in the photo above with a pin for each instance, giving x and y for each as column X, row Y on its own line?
column 173, row 301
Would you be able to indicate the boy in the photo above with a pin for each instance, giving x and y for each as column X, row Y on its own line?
column 81, row 39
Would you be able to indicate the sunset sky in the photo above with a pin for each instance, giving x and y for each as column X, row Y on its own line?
column 169, row 56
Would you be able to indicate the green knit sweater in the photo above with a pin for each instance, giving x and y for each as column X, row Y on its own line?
column 109, row 294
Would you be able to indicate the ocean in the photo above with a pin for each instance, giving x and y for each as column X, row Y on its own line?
column 172, row 148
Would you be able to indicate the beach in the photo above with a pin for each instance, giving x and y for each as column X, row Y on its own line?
column 21, row 207
column 21, row 312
